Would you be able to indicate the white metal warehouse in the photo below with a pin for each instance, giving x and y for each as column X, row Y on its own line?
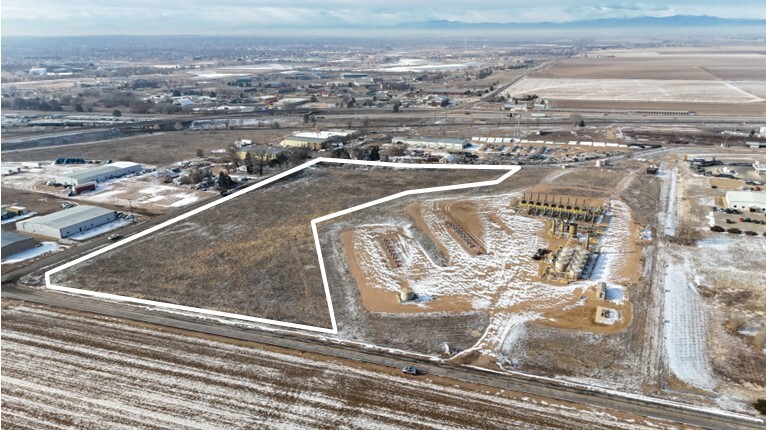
column 67, row 222
column 744, row 200
column 451, row 144
column 101, row 173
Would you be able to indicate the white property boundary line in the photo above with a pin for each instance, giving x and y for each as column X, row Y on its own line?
column 511, row 169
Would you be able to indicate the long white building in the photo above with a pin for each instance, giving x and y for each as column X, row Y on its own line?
column 70, row 221
column 101, row 173
column 449, row 144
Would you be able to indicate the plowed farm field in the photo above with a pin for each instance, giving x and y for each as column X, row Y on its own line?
column 64, row 370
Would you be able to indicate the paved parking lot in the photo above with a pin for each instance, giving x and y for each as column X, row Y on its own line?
column 721, row 217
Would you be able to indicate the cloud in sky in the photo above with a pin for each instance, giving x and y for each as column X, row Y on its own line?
column 87, row 17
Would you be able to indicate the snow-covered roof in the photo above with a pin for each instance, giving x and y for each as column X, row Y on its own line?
column 70, row 216
column 324, row 134
column 746, row 197
column 124, row 165
column 101, row 170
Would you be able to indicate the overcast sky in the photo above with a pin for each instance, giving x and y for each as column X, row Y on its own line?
column 88, row 17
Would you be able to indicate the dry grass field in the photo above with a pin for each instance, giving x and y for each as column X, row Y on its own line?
column 253, row 255
column 82, row 371
column 580, row 182
column 160, row 148
column 642, row 195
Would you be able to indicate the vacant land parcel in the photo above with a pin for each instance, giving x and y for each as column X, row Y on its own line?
column 253, row 255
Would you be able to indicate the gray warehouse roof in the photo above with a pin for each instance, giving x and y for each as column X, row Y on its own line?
column 433, row 140
column 70, row 216
column 101, row 170
column 12, row 238
column 90, row 173
column 306, row 139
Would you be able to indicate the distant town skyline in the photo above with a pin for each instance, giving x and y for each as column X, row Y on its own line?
column 137, row 17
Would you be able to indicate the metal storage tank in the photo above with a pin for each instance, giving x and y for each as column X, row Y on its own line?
column 575, row 272
column 573, row 229
column 563, row 259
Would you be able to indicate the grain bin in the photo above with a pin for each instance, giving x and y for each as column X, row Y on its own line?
column 563, row 259
column 573, row 229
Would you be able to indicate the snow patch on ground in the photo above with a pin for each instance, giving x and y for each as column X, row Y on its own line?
column 514, row 329
column 495, row 278
column 710, row 219
column 41, row 249
column 21, row 217
column 707, row 201
column 684, row 328
column 90, row 233
column 646, row 234
column 670, row 216
column 613, row 243
column 136, row 192
column 184, row 200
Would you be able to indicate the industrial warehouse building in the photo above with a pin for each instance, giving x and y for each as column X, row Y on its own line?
column 318, row 140
column 14, row 243
column 304, row 141
column 101, row 173
column 268, row 153
column 745, row 200
column 67, row 222
column 449, row 144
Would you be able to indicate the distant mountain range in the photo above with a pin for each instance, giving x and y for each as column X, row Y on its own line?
column 669, row 21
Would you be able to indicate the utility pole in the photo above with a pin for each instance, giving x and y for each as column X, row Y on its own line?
column 132, row 217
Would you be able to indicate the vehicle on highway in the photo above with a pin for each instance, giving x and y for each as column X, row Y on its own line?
column 115, row 237
column 410, row 370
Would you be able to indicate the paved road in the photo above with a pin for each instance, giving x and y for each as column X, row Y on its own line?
column 653, row 408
